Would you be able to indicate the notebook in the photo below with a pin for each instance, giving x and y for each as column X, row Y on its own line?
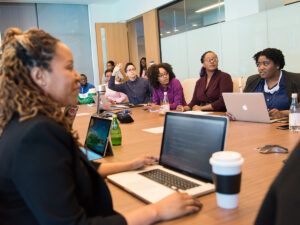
column 187, row 144
column 249, row 107
column 97, row 138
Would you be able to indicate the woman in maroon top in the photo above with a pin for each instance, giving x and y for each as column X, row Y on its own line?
column 209, row 88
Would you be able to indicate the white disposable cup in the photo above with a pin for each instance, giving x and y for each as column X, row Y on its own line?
column 226, row 163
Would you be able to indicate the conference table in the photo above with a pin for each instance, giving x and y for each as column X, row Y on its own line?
column 258, row 170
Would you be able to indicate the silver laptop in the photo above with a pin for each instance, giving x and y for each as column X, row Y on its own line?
column 187, row 144
column 249, row 107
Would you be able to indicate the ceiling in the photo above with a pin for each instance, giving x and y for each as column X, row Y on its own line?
column 84, row 2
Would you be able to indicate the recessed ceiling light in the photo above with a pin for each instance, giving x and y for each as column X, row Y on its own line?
column 210, row 7
column 168, row 32
column 195, row 25
column 175, row 30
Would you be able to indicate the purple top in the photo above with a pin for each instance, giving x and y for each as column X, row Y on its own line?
column 174, row 93
column 220, row 82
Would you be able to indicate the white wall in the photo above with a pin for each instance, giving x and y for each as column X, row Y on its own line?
column 119, row 12
column 235, row 42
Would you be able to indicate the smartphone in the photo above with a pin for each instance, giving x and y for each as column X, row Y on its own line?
column 283, row 127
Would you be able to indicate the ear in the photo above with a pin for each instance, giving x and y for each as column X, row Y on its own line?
column 38, row 76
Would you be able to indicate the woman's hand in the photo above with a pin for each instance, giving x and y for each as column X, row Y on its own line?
column 277, row 114
column 176, row 205
column 170, row 207
column 180, row 108
column 142, row 162
column 117, row 69
column 230, row 116
column 197, row 108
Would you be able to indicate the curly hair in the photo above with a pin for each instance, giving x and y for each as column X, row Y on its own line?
column 153, row 72
column 273, row 54
column 19, row 94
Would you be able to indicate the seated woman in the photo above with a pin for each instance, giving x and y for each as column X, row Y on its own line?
column 44, row 177
column 136, row 88
column 113, row 96
column 209, row 88
column 276, row 84
column 162, row 78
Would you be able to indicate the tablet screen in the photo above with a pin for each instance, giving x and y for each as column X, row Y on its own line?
column 97, row 135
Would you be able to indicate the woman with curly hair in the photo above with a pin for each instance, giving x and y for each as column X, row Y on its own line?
column 162, row 79
column 276, row 84
column 44, row 177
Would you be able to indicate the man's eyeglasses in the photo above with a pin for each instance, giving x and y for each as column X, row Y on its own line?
column 265, row 63
column 163, row 74
column 129, row 70
column 211, row 60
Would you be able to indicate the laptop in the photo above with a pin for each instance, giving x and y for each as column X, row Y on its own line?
column 97, row 144
column 187, row 144
column 249, row 107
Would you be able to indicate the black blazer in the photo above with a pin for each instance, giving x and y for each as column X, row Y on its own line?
column 291, row 80
column 281, row 204
column 45, row 179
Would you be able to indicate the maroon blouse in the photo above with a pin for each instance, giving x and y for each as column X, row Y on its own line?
column 220, row 82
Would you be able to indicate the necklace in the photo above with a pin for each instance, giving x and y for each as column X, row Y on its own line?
column 273, row 89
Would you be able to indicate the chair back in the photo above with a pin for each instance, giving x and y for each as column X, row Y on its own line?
column 188, row 86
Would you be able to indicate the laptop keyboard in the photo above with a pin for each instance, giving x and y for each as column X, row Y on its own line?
column 172, row 181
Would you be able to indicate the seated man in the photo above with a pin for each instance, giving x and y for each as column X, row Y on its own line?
column 87, row 91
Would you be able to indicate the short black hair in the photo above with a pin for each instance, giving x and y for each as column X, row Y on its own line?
column 204, row 54
column 128, row 64
column 273, row 54
column 111, row 62
column 153, row 72
column 108, row 70
column 83, row 75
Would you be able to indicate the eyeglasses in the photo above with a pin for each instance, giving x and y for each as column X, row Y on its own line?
column 163, row 74
column 265, row 63
column 211, row 60
column 129, row 70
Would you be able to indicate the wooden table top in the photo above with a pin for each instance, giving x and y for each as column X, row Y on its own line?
column 258, row 170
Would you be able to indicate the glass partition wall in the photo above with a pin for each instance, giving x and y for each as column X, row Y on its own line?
column 185, row 35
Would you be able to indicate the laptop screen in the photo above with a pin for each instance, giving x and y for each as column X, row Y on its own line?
column 189, row 141
column 97, row 135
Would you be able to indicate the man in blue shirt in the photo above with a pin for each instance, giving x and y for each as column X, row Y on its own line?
column 87, row 91
column 136, row 88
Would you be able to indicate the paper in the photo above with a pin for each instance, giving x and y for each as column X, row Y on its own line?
column 82, row 114
column 197, row 112
column 155, row 130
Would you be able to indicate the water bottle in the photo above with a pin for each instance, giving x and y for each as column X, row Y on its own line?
column 294, row 117
column 165, row 106
column 115, row 132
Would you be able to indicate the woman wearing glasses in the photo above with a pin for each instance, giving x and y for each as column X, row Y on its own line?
column 276, row 84
column 136, row 88
column 209, row 88
column 162, row 79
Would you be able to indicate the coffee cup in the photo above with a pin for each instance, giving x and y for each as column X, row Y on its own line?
column 226, row 168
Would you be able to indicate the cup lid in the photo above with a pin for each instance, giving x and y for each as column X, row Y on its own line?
column 226, row 158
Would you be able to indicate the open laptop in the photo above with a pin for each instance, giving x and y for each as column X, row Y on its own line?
column 187, row 144
column 97, row 144
column 249, row 107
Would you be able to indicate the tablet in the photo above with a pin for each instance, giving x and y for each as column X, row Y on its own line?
column 97, row 138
